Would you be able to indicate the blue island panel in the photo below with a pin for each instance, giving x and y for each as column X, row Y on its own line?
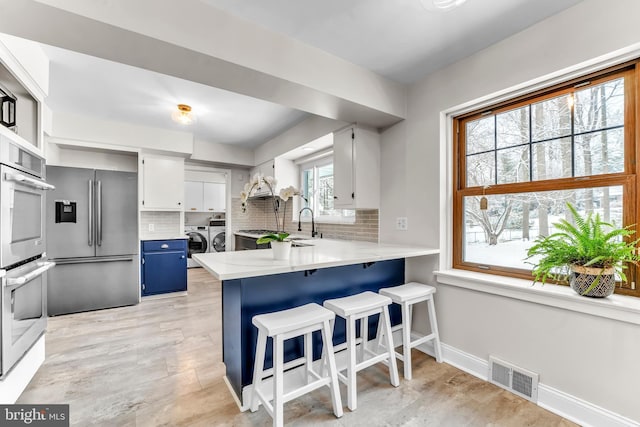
column 244, row 298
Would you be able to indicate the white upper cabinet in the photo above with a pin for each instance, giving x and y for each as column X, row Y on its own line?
column 204, row 196
column 356, row 169
column 283, row 170
column 162, row 183
column 193, row 201
column 214, row 197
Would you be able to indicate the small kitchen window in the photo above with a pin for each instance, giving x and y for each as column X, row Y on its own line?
column 316, row 188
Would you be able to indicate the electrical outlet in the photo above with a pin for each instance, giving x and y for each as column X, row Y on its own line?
column 401, row 223
column 152, row 227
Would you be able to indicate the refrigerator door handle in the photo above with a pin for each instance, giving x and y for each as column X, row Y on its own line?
column 90, row 212
column 99, row 213
column 70, row 261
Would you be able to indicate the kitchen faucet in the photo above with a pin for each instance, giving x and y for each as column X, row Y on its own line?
column 313, row 224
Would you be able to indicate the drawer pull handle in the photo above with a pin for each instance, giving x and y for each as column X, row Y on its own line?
column 164, row 246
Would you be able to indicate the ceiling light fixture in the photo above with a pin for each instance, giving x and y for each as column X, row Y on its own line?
column 183, row 115
column 441, row 5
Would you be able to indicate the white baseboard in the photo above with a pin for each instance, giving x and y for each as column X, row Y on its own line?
column 567, row 406
column 578, row 410
column 18, row 378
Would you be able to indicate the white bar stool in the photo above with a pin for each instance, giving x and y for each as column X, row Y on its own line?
column 283, row 325
column 406, row 296
column 361, row 306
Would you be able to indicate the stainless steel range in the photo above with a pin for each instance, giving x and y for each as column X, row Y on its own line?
column 23, row 264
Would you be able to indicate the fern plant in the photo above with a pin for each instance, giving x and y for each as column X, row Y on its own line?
column 590, row 242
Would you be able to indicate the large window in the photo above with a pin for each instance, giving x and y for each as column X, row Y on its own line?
column 317, row 189
column 519, row 163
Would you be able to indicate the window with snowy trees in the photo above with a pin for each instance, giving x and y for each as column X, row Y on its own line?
column 519, row 163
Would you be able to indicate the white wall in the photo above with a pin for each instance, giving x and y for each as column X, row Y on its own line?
column 92, row 159
column 91, row 130
column 593, row 358
column 221, row 153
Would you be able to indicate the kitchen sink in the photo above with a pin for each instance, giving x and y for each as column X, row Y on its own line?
column 299, row 245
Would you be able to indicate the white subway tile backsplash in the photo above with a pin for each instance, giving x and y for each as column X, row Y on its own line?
column 164, row 223
column 259, row 214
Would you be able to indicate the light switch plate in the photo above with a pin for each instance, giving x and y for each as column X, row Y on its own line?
column 402, row 223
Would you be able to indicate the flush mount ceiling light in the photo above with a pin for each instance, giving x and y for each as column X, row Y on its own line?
column 183, row 115
column 441, row 5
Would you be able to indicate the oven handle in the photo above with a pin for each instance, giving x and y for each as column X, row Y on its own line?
column 19, row 281
column 31, row 182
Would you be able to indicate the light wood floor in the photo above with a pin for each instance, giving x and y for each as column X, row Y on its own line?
column 160, row 363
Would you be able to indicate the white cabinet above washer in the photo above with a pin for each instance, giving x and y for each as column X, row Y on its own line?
column 204, row 196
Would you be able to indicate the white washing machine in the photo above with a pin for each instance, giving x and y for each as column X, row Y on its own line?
column 198, row 242
column 217, row 235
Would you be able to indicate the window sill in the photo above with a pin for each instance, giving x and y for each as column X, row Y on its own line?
column 617, row 307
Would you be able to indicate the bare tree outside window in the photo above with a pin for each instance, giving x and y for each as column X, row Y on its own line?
column 551, row 142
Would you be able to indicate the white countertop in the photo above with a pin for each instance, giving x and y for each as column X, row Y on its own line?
column 324, row 253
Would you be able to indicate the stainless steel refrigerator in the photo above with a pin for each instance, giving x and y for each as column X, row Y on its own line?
column 92, row 235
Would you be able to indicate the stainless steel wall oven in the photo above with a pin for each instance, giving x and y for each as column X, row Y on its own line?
column 23, row 263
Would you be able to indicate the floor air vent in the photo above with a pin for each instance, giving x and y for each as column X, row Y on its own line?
column 516, row 380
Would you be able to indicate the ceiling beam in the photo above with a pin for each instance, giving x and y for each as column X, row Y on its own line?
column 196, row 42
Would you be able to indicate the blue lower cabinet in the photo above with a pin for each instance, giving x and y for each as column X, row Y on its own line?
column 164, row 266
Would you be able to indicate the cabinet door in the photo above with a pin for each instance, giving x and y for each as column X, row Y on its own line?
column 214, row 197
column 164, row 272
column 193, row 196
column 163, row 183
column 343, row 188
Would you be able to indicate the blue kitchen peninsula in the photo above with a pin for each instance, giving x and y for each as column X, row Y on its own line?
column 254, row 283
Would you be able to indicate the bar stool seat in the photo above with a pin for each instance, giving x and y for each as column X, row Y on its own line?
column 406, row 296
column 283, row 325
column 360, row 307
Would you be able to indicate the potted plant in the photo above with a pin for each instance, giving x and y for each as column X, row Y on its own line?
column 280, row 246
column 590, row 252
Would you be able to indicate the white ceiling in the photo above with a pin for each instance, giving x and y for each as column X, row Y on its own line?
column 399, row 39
column 92, row 86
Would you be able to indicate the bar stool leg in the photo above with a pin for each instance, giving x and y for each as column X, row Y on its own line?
column 308, row 353
column 379, row 334
column 406, row 339
column 329, row 358
column 278, row 381
column 434, row 330
column 363, row 336
column 352, row 388
column 257, row 369
column 393, row 368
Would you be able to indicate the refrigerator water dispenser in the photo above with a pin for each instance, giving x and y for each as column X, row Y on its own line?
column 65, row 211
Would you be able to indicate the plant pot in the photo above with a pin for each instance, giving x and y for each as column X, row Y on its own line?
column 281, row 250
column 582, row 278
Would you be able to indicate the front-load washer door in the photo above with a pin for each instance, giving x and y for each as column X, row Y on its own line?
column 197, row 243
column 218, row 242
